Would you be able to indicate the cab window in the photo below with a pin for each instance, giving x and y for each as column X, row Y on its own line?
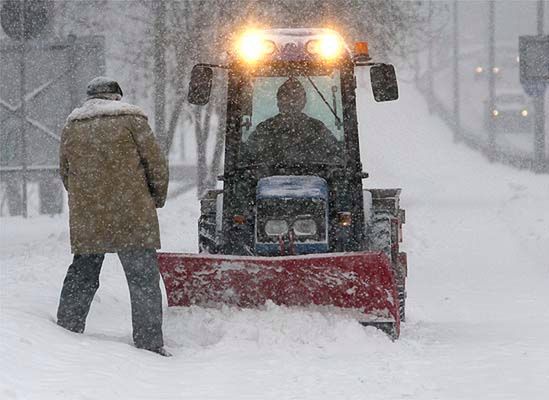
column 292, row 119
column 323, row 96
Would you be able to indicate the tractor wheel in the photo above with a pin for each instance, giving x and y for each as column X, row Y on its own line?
column 207, row 240
column 380, row 237
column 379, row 233
column 402, row 302
column 388, row 327
column 206, row 234
column 401, row 273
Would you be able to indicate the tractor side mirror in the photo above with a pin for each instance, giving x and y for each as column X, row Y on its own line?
column 384, row 82
column 200, row 85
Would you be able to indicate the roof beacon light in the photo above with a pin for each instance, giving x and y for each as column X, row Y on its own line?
column 328, row 46
column 252, row 46
column 362, row 52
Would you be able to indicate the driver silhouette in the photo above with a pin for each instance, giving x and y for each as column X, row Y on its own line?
column 291, row 136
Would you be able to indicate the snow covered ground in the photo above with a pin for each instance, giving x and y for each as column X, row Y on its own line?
column 477, row 236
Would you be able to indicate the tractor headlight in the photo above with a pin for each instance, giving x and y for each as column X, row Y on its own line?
column 524, row 113
column 305, row 227
column 328, row 46
column 495, row 113
column 252, row 46
column 276, row 227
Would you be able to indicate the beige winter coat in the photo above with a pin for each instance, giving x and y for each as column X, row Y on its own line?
column 116, row 176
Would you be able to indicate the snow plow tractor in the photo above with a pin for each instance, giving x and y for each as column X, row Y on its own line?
column 293, row 224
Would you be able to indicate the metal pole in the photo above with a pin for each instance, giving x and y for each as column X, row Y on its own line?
column 71, row 57
column 540, row 16
column 430, row 55
column 491, row 78
column 539, row 111
column 457, row 116
column 159, row 7
column 22, row 110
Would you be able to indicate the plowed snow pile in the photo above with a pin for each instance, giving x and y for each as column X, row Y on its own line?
column 477, row 236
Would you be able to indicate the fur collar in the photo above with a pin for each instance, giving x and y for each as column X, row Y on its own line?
column 94, row 108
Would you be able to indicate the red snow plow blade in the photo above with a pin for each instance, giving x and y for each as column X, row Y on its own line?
column 360, row 284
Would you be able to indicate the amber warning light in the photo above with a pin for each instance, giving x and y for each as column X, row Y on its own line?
column 361, row 51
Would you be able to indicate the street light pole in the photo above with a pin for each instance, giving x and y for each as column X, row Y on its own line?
column 540, row 16
column 22, row 110
column 430, row 55
column 539, row 109
column 491, row 78
column 457, row 116
column 159, row 39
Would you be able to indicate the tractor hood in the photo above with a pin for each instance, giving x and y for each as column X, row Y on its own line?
column 292, row 187
column 291, row 215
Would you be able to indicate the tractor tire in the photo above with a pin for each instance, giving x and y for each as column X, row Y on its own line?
column 402, row 302
column 206, row 234
column 380, row 236
column 379, row 233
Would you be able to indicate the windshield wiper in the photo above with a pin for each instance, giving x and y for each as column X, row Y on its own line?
column 324, row 100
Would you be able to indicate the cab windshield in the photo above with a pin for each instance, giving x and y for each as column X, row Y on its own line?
column 292, row 119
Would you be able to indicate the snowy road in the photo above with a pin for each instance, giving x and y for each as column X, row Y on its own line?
column 477, row 237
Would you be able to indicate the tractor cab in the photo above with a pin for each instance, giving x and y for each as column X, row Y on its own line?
column 292, row 133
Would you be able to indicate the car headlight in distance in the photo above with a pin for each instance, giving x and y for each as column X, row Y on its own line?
column 495, row 113
column 305, row 227
column 276, row 227
column 524, row 113
column 478, row 70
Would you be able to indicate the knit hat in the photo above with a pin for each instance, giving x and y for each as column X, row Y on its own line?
column 103, row 85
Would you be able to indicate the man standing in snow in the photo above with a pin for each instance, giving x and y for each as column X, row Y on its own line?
column 116, row 176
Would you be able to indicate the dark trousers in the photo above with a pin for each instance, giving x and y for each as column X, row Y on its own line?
column 141, row 269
